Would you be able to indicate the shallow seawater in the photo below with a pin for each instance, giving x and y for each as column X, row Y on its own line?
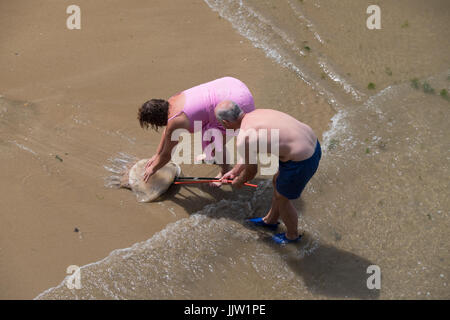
column 380, row 196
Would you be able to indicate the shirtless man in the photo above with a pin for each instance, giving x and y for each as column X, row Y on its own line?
column 299, row 156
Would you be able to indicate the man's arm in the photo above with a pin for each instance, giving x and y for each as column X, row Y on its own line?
column 241, row 173
column 230, row 175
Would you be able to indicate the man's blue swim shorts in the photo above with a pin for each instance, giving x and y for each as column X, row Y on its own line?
column 294, row 175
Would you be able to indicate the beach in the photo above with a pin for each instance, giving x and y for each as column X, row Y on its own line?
column 68, row 109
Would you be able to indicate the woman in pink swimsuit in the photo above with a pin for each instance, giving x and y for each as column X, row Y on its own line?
column 180, row 112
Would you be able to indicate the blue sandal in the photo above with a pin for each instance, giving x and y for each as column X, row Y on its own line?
column 259, row 222
column 280, row 238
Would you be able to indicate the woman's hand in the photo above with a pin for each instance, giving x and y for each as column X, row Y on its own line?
column 150, row 161
column 148, row 173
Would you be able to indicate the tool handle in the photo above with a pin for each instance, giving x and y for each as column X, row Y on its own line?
column 194, row 178
column 212, row 180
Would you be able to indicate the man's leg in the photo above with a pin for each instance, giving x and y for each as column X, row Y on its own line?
column 288, row 215
column 273, row 215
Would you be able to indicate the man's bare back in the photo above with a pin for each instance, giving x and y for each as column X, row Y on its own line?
column 297, row 140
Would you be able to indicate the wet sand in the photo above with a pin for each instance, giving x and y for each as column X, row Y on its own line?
column 69, row 103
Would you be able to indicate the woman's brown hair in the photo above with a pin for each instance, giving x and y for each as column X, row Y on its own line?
column 153, row 113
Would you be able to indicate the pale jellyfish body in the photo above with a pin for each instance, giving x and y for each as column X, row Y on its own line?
column 155, row 186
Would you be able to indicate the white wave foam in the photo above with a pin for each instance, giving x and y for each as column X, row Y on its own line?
column 265, row 35
column 21, row 146
column 308, row 23
column 333, row 75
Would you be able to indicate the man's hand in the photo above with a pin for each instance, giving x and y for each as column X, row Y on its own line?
column 148, row 173
column 242, row 175
column 238, row 183
column 228, row 176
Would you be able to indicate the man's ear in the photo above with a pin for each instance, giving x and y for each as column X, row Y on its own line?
column 226, row 123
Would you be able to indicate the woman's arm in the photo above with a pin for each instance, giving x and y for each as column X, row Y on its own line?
column 163, row 157
column 158, row 150
column 161, row 143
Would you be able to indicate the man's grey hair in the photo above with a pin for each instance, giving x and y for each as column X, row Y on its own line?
column 231, row 113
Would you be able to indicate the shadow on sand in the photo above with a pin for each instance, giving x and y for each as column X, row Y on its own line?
column 330, row 271
column 193, row 201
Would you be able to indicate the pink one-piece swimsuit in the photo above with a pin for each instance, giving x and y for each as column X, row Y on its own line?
column 201, row 100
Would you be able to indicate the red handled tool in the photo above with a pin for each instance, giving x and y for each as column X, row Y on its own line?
column 192, row 180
